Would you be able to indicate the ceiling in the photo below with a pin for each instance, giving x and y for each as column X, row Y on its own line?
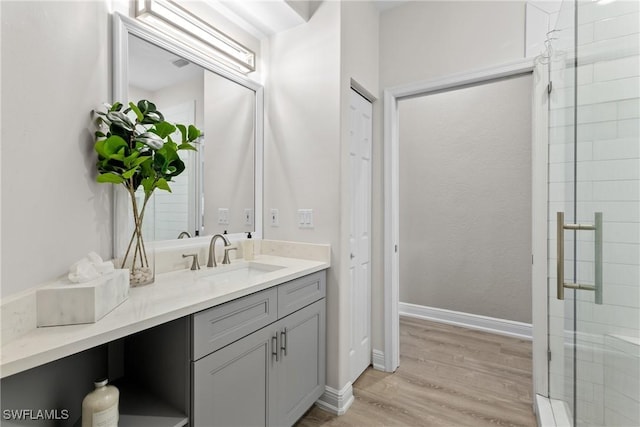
column 261, row 18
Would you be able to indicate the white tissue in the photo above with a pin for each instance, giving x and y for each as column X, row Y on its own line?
column 94, row 258
column 89, row 268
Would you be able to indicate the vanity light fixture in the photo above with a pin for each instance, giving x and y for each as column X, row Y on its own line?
column 170, row 18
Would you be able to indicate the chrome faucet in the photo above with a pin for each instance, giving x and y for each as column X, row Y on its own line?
column 184, row 234
column 212, row 251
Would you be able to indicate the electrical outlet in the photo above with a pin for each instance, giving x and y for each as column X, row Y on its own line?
column 223, row 216
column 248, row 216
column 275, row 218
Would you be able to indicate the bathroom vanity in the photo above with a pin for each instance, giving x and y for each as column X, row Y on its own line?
column 259, row 360
column 241, row 344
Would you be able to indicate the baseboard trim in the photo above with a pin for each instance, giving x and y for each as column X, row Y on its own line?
column 467, row 320
column 377, row 359
column 336, row 401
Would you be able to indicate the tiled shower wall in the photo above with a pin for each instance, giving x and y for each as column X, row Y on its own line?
column 608, row 176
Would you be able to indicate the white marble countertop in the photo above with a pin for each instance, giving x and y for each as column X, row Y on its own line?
column 171, row 296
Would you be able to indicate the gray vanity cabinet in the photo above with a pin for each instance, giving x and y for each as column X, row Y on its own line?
column 233, row 386
column 271, row 375
column 301, row 369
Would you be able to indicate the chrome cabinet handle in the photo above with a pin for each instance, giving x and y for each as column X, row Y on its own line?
column 283, row 341
column 597, row 228
column 274, row 347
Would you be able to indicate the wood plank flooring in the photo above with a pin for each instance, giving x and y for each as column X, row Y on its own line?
column 448, row 376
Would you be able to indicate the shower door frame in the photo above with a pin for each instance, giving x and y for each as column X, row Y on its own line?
column 539, row 121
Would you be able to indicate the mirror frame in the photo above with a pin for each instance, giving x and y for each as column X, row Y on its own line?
column 124, row 26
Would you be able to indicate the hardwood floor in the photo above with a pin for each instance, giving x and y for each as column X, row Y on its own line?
column 448, row 376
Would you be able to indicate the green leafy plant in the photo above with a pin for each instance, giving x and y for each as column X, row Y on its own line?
column 137, row 151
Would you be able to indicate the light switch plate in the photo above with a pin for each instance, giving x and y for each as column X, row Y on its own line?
column 223, row 216
column 248, row 216
column 274, row 218
column 305, row 218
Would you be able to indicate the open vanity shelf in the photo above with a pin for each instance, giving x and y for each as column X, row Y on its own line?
column 139, row 408
column 152, row 369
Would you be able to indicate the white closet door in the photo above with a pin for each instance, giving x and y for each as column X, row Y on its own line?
column 360, row 128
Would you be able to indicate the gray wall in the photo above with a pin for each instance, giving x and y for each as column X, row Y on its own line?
column 427, row 40
column 465, row 199
column 302, row 146
column 55, row 70
column 306, row 143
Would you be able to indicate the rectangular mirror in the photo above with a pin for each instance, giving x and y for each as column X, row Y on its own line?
column 220, row 190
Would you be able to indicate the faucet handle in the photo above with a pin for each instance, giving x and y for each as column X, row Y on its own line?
column 195, row 265
column 225, row 259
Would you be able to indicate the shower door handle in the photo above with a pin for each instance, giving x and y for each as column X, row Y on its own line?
column 597, row 260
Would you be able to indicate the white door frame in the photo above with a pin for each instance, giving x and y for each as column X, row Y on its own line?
column 391, row 206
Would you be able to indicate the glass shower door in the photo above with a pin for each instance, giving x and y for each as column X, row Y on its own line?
column 562, row 198
column 594, row 178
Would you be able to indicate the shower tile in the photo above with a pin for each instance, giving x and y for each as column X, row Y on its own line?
column 585, row 75
column 628, row 345
column 585, row 393
column 623, row 274
column 616, row 169
column 595, row 131
column 585, row 33
column 623, row 253
column 615, row 316
column 629, row 109
column 616, row 69
column 559, row 172
column 620, row 148
column 626, row 296
column 561, row 135
column 624, row 405
column 628, row 211
column 629, row 128
column 561, row 117
column 616, row 190
column 622, row 25
column 592, row 113
column 562, row 95
column 608, row 91
column 559, row 191
column 591, row 373
column 594, row 11
column 614, row 418
column 585, row 275
column 564, row 153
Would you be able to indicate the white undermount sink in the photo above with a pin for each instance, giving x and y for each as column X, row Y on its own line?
column 237, row 273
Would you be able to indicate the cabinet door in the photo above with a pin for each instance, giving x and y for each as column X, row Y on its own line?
column 301, row 370
column 233, row 386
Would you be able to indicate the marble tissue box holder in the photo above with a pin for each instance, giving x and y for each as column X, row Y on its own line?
column 66, row 303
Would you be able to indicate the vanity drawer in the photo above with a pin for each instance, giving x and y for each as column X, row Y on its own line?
column 219, row 326
column 298, row 293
